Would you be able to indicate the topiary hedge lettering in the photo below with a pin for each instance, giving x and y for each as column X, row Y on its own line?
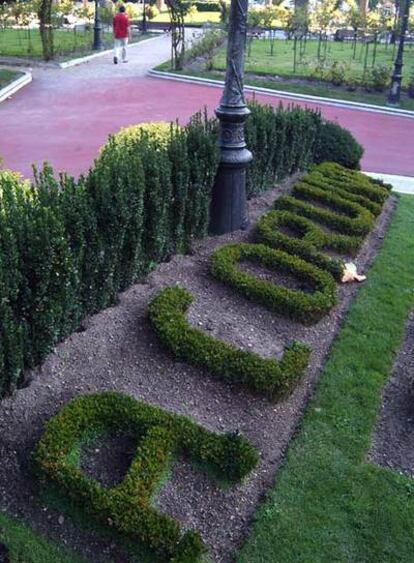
column 159, row 437
column 68, row 247
column 269, row 377
column 305, row 239
column 304, row 307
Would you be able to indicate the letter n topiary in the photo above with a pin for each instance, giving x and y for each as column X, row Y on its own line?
column 159, row 436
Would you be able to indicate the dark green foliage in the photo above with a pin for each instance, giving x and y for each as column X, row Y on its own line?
column 305, row 239
column 336, row 222
column 159, row 436
column 351, row 216
column 336, row 144
column 207, row 6
column 269, row 377
column 281, row 141
column 299, row 305
column 68, row 247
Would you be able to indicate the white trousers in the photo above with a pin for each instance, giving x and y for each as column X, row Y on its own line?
column 121, row 45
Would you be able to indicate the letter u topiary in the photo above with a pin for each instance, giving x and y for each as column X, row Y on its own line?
column 159, row 436
column 304, row 307
column 269, row 377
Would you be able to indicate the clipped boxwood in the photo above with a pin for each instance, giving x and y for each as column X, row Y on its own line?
column 337, row 144
column 159, row 436
column 305, row 241
column 341, row 188
column 305, row 307
column 341, row 240
column 352, row 216
column 355, row 181
column 269, row 377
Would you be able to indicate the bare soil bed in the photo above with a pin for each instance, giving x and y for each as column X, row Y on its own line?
column 393, row 444
column 119, row 351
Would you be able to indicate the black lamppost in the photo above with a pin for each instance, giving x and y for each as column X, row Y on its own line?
column 97, row 29
column 144, row 18
column 228, row 207
column 394, row 93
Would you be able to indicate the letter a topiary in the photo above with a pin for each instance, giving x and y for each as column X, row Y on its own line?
column 159, row 437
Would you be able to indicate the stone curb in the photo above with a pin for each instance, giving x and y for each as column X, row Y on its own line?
column 400, row 184
column 289, row 95
column 80, row 60
column 15, row 86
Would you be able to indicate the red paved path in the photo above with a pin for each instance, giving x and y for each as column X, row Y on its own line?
column 65, row 120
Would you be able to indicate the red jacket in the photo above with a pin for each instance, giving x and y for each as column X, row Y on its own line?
column 120, row 25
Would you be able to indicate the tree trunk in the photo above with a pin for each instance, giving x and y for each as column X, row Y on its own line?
column 363, row 7
column 46, row 29
column 301, row 4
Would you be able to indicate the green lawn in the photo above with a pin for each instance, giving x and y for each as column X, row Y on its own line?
column 22, row 43
column 24, row 546
column 280, row 63
column 7, row 76
column 329, row 504
column 199, row 18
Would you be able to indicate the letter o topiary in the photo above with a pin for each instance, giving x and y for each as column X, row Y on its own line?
column 159, row 436
column 305, row 307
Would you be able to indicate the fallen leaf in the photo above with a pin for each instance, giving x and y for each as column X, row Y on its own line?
column 350, row 274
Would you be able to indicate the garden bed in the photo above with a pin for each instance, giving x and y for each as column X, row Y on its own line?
column 393, row 445
column 119, row 350
column 8, row 76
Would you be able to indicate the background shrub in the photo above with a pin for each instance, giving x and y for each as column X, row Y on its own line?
column 334, row 143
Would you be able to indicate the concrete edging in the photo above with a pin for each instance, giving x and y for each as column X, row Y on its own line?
column 400, row 184
column 80, row 60
column 15, row 86
column 288, row 95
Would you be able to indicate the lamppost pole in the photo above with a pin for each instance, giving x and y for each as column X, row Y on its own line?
column 394, row 93
column 144, row 18
column 228, row 210
column 97, row 29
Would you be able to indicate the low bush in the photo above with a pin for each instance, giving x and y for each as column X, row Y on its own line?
column 351, row 216
column 341, row 188
column 338, row 240
column 159, row 435
column 298, row 305
column 305, row 239
column 355, row 182
column 338, row 145
column 268, row 377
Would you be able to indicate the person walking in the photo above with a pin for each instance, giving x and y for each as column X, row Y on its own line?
column 120, row 27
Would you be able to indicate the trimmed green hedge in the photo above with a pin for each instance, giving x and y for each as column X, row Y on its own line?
column 338, row 241
column 159, row 436
column 68, row 247
column 355, row 182
column 351, row 216
column 269, row 377
column 335, row 143
column 305, row 239
column 305, row 307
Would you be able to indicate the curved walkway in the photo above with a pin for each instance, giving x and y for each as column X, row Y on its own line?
column 64, row 116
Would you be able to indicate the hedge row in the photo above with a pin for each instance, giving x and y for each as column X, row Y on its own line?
column 68, row 247
column 269, row 377
column 159, row 436
column 305, row 307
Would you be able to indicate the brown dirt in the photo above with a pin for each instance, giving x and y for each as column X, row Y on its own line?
column 393, row 444
column 118, row 350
